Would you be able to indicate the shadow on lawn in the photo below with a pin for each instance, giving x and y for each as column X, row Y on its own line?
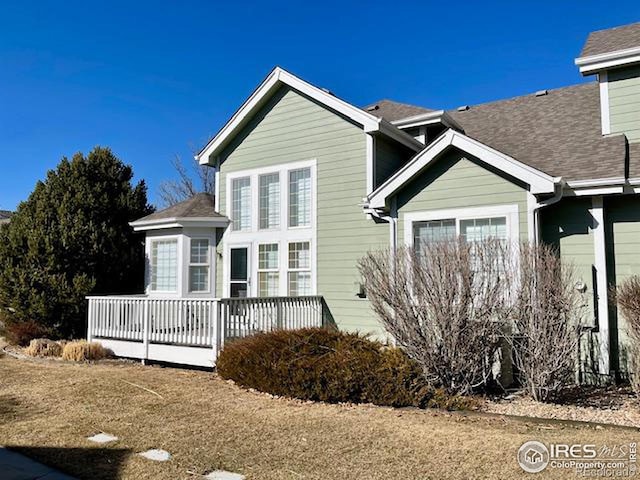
column 83, row 463
column 9, row 406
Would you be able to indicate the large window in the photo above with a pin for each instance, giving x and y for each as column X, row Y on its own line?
column 300, row 197
column 299, row 269
column 241, row 203
column 269, row 213
column 468, row 229
column 268, row 270
column 164, row 265
column 199, row 265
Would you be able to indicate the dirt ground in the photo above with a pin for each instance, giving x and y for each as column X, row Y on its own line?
column 47, row 409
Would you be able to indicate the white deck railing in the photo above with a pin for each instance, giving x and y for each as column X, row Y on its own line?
column 149, row 328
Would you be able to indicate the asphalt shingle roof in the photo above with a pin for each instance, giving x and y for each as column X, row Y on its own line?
column 198, row 206
column 392, row 111
column 558, row 133
column 612, row 39
column 5, row 215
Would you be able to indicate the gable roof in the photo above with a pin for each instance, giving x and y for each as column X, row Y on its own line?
column 5, row 216
column 538, row 181
column 198, row 209
column 392, row 111
column 611, row 40
column 558, row 133
column 277, row 78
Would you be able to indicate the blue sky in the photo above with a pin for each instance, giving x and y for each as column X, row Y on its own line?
column 156, row 79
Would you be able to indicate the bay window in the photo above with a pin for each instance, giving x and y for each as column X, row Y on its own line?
column 164, row 265
column 199, row 265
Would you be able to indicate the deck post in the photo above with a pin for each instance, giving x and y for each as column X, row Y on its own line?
column 145, row 330
column 90, row 322
column 215, row 328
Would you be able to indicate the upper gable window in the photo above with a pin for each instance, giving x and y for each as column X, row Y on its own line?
column 300, row 197
column 269, row 208
column 241, row 208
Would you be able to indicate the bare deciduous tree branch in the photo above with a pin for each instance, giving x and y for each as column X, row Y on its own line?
column 191, row 180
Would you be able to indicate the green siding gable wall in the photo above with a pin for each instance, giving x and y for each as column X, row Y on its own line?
column 293, row 128
column 624, row 102
column 458, row 180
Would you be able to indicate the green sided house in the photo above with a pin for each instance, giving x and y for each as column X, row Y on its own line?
column 307, row 183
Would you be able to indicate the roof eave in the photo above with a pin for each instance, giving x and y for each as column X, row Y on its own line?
column 179, row 222
column 591, row 64
column 429, row 118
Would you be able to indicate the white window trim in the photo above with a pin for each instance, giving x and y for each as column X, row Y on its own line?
column 209, row 265
column 603, row 80
column 511, row 212
column 283, row 235
column 279, row 173
column 277, row 270
column 290, row 270
column 253, row 196
column 150, row 240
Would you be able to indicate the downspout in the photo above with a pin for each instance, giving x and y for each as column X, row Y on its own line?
column 535, row 209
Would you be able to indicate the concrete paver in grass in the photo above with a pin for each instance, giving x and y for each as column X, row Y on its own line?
column 224, row 475
column 156, row 455
column 102, row 438
column 14, row 466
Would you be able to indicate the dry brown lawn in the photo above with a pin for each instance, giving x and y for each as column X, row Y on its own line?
column 47, row 409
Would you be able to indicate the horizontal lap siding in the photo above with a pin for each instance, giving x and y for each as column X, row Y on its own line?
column 623, row 239
column 293, row 128
column 457, row 182
column 624, row 102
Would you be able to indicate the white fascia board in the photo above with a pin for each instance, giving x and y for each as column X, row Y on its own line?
column 396, row 134
column 430, row 118
column 596, row 182
column 176, row 222
column 594, row 63
column 274, row 80
column 538, row 181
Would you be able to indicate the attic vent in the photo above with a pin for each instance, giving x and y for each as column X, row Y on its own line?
column 541, row 93
column 373, row 108
column 463, row 108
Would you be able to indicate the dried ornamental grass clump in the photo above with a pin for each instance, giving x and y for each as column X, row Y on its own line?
column 43, row 347
column 82, row 351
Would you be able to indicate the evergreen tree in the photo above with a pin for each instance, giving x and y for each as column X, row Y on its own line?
column 71, row 238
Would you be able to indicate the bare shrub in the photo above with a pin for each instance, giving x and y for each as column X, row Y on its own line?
column 446, row 306
column 43, row 347
column 627, row 295
column 82, row 351
column 546, row 315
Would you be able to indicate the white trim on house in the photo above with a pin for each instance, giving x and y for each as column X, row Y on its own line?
column 538, row 181
column 370, row 145
column 595, row 63
column 510, row 212
column 600, row 264
column 532, row 208
column 279, row 77
column 283, row 235
column 595, row 186
column 603, row 81
column 429, row 118
column 178, row 222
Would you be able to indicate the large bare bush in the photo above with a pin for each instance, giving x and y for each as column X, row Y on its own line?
column 446, row 306
column 453, row 304
column 628, row 297
column 546, row 313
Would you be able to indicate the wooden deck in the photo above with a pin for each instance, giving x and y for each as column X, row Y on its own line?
column 192, row 331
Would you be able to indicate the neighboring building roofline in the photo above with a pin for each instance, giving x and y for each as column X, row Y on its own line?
column 539, row 182
column 429, row 118
column 594, row 63
column 271, row 83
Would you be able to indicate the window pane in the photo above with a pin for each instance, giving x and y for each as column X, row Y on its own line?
column 269, row 200
column 433, row 231
column 238, row 290
column 476, row 230
column 241, row 199
column 164, row 265
column 268, row 283
column 238, row 264
column 299, row 255
column 300, row 197
column 198, row 279
column 299, row 283
column 199, row 251
column 268, row 257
